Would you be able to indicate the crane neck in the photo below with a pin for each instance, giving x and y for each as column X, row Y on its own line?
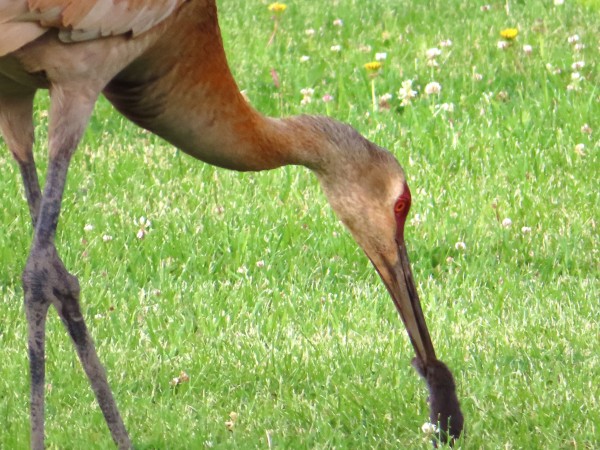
column 205, row 115
column 181, row 88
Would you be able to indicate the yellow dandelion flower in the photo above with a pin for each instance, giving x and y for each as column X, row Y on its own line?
column 277, row 7
column 509, row 33
column 373, row 65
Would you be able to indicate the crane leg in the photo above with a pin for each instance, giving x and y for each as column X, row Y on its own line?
column 16, row 125
column 45, row 278
column 32, row 188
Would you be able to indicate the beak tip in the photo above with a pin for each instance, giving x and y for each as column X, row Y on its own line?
column 419, row 366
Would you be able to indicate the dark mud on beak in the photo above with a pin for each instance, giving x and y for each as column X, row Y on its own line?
column 444, row 409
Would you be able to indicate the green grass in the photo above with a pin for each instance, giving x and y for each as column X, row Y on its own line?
column 249, row 284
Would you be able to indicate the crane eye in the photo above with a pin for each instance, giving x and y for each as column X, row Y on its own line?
column 399, row 207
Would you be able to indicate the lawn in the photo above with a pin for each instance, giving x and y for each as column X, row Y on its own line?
column 234, row 311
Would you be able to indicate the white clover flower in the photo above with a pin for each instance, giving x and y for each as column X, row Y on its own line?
column 416, row 220
column 385, row 97
column 578, row 47
column 107, row 238
column 336, row 48
column 433, row 53
column 573, row 39
column 338, row 23
column 586, row 129
column 579, row 149
column 260, row 263
column 406, row 93
column 88, row 227
column 446, row 43
column 447, row 107
column 485, row 8
column 507, row 223
column 327, row 98
column 527, row 49
column 143, row 222
column 502, row 45
column 304, row 58
column 307, row 94
column 382, row 56
column 558, row 2
column 429, row 428
column 309, row 32
column 575, row 76
column 477, row 76
column 578, row 65
column 526, row 230
column 460, row 246
column 433, row 88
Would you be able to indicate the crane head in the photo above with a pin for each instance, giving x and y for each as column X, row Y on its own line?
column 368, row 190
column 369, row 193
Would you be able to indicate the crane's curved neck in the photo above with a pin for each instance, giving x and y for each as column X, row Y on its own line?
column 182, row 89
column 223, row 130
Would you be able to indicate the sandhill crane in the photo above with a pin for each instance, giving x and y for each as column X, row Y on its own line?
column 161, row 63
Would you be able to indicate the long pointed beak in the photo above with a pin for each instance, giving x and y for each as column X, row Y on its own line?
column 398, row 279
column 394, row 269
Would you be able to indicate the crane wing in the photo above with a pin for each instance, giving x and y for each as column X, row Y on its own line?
column 22, row 21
